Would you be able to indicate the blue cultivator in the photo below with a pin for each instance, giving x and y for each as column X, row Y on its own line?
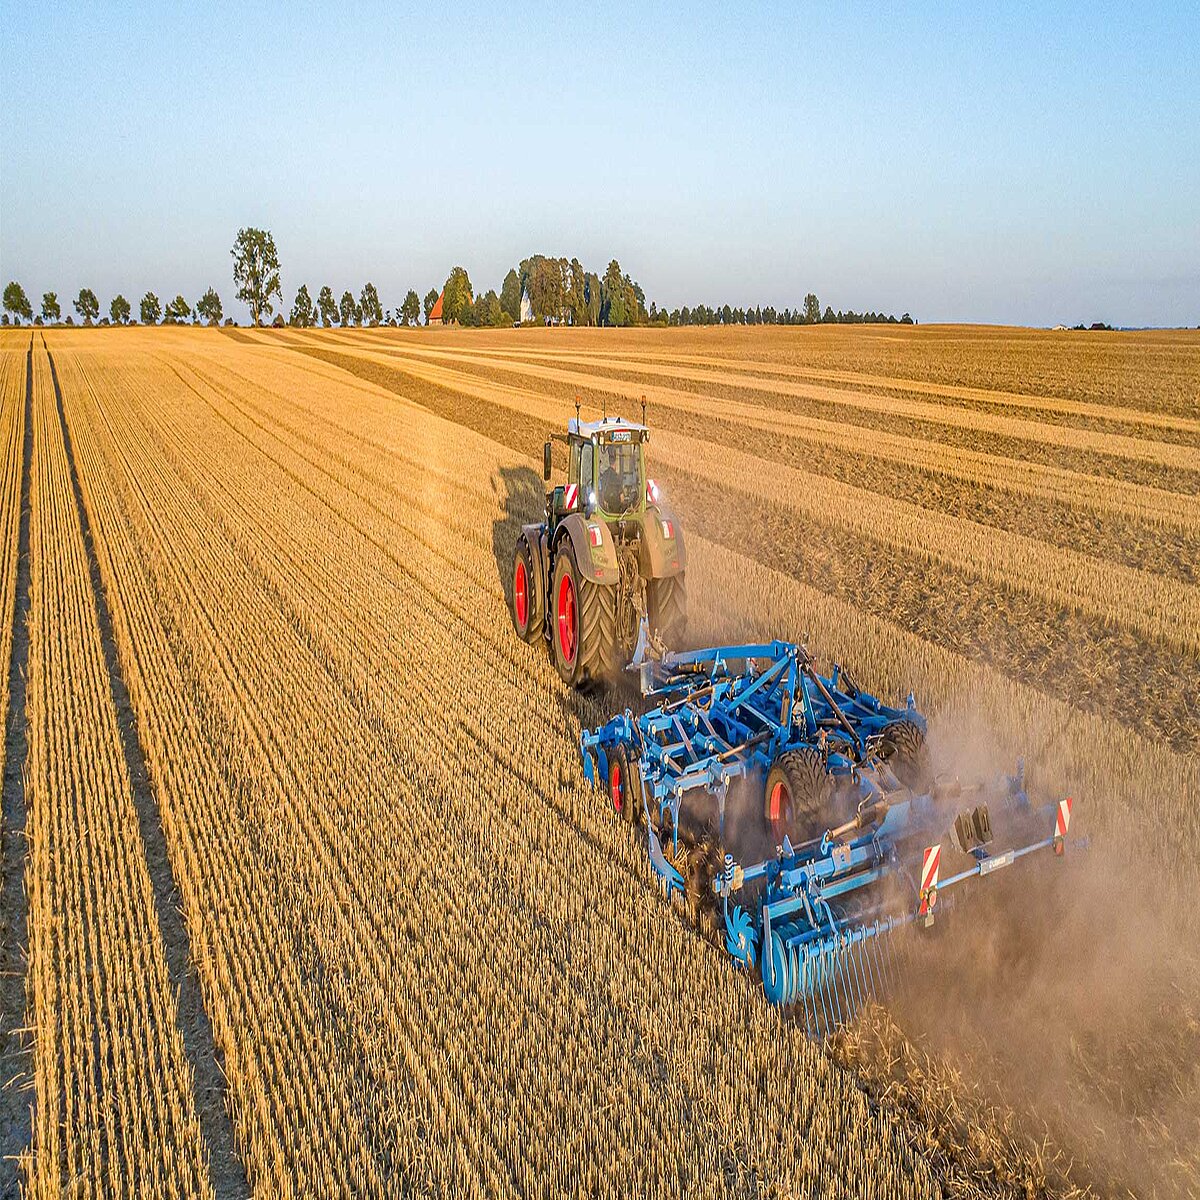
column 851, row 839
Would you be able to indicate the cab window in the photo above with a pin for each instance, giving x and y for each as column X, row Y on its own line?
column 622, row 485
column 586, row 484
column 573, row 465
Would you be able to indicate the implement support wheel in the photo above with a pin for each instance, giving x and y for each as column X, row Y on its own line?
column 624, row 786
column 904, row 749
column 797, row 796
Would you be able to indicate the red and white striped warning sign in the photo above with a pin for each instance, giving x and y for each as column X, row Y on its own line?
column 929, row 875
column 571, row 496
column 1062, row 822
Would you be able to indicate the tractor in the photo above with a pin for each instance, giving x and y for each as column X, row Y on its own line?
column 602, row 577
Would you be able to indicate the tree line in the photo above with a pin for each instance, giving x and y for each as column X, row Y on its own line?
column 540, row 288
column 809, row 314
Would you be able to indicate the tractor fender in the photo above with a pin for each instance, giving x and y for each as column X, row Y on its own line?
column 534, row 536
column 659, row 556
column 597, row 561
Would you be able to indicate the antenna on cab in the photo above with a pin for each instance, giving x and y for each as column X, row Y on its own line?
column 643, row 408
column 576, row 410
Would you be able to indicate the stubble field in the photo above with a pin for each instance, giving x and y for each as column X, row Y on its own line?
column 304, row 893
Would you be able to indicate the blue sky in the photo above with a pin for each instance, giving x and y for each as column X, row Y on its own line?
column 1030, row 163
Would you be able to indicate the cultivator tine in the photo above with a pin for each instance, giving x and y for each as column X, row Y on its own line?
column 854, row 955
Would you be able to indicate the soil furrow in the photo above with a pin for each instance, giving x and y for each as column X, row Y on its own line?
column 16, row 1092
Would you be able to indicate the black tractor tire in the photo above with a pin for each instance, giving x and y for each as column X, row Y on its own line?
column 797, row 796
column 666, row 600
column 583, row 624
column 624, row 786
column 902, row 744
column 525, row 606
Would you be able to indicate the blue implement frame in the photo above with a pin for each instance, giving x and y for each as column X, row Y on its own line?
column 811, row 918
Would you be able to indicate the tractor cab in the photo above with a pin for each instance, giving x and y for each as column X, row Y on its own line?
column 607, row 465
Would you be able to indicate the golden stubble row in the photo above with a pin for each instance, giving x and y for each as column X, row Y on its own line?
column 1119, row 445
column 12, row 440
column 652, row 359
column 114, row 1113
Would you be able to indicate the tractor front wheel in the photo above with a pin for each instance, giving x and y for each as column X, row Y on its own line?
column 797, row 796
column 666, row 600
column 584, row 626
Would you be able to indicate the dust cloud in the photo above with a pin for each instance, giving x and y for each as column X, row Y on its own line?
column 1068, row 993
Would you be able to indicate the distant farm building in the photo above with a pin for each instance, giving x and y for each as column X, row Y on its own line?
column 526, row 307
column 435, row 313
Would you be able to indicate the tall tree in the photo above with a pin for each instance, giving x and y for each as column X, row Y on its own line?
column 614, row 306
column 431, row 298
column 410, row 310
column 348, row 309
column 86, row 304
column 327, row 307
column 456, row 296
column 370, row 310
column 151, row 310
column 545, row 281
column 208, row 307
column 50, row 308
column 576, row 293
column 16, row 302
column 510, row 295
column 256, row 271
column 594, row 293
column 812, row 309
column 177, row 311
column 119, row 310
column 302, row 308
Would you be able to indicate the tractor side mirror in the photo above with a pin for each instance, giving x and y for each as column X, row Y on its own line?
column 547, row 465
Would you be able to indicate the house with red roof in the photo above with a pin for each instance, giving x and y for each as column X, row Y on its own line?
column 435, row 313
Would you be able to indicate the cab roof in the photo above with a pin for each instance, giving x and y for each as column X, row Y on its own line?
column 589, row 429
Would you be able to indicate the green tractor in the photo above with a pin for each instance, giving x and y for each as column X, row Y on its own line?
column 601, row 579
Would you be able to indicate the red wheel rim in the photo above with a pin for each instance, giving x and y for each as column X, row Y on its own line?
column 521, row 593
column 776, row 806
column 615, row 783
column 567, row 635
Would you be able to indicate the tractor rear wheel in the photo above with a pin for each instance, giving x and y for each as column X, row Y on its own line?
column 584, row 624
column 666, row 600
column 903, row 746
column 526, row 605
column 797, row 796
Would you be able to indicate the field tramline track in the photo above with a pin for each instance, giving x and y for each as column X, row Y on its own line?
column 16, row 1096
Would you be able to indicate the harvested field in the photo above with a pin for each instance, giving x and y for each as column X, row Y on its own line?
column 422, row 954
